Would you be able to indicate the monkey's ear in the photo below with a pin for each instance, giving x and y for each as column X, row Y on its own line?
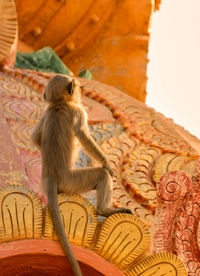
column 70, row 87
column 73, row 85
column 44, row 96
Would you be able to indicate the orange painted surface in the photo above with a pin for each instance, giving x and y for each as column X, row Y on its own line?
column 108, row 37
column 24, row 48
column 36, row 257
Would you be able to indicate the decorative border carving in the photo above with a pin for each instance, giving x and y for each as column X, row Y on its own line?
column 79, row 218
column 20, row 214
column 122, row 239
column 159, row 264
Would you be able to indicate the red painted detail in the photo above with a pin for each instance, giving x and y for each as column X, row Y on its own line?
column 45, row 257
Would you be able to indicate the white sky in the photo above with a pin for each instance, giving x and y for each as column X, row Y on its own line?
column 173, row 71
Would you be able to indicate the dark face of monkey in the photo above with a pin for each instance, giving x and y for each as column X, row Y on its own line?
column 62, row 88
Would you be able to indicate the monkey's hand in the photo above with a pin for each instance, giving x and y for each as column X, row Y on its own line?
column 108, row 167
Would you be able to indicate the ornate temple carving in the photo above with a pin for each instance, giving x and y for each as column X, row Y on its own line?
column 138, row 165
column 155, row 162
column 122, row 238
column 8, row 32
column 79, row 217
column 21, row 214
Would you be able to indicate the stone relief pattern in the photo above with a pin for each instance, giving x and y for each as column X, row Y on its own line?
column 116, row 150
column 171, row 162
column 172, row 189
column 11, row 167
column 21, row 214
column 79, row 218
column 22, row 129
column 151, row 129
column 176, row 223
column 122, row 238
column 22, row 108
column 9, row 30
column 133, row 115
column 196, row 177
column 136, row 175
column 141, row 121
column 186, row 234
column 162, row 264
column 117, row 237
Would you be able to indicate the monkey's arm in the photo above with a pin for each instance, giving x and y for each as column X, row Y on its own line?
column 37, row 133
column 82, row 133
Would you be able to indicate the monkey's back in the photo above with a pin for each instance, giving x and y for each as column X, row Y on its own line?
column 57, row 141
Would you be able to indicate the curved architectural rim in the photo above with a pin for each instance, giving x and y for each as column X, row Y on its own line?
column 45, row 256
column 9, row 32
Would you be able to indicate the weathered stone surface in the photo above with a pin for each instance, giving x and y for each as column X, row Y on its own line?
column 11, row 168
column 8, row 31
column 172, row 189
column 141, row 153
column 21, row 214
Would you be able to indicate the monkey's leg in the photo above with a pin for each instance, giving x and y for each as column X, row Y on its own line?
column 81, row 180
column 87, row 179
column 104, row 196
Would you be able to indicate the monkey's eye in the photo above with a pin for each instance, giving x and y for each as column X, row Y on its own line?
column 70, row 88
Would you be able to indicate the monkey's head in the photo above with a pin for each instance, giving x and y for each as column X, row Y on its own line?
column 62, row 88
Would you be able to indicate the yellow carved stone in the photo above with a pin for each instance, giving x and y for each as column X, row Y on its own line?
column 189, row 167
column 172, row 162
column 136, row 175
column 122, row 239
column 162, row 264
column 8, row 28
column 79, row 218
column 117, row 149
column 161, row 165
column 20, row 214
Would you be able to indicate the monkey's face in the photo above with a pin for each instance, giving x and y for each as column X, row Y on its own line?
column 62, row 88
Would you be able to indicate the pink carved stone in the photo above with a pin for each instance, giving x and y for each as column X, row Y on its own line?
column 185, row 234
column 196, row 177
column 172, row 189
column 11, row 169
column 176, row 226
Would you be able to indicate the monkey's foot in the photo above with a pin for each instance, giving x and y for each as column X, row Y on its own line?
column 111, row 211
column 124, row 210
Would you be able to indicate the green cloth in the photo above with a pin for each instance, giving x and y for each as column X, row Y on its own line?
column 86, row 74
column 44, row 60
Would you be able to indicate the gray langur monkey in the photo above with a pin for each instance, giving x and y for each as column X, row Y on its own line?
column 65, row 120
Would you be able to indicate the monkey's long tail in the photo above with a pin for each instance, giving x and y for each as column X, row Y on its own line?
column 55, row 213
